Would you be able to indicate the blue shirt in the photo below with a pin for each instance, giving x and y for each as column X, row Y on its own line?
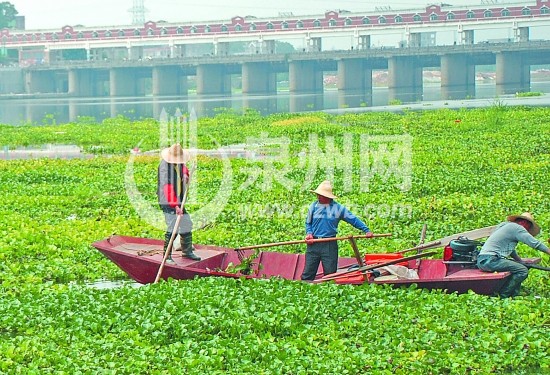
column 322, row 219
column 503, row 241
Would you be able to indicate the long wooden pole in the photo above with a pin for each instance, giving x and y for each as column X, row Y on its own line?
column 471, row 234
column 419, row 247
column 174, row 231
column 374, row 266
column 295, row 242
column 356, row 251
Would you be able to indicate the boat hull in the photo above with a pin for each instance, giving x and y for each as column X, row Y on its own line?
column 140, row 258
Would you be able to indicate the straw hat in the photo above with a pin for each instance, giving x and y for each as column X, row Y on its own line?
column 534, row 230
column 325, row 189
column 175, row 154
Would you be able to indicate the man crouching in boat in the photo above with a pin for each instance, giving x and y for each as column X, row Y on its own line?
column 502, row 243
column 322, row 222
column 173, row 177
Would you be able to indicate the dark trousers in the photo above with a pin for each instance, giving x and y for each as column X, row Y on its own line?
column 323, row 252
column 519, row 272
column 185, row 225
column 184, row 229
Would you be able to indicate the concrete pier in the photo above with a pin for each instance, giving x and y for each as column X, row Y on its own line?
column 122, row 82
column 305, row 77
column 258, row 78
column 404, row 79
column 41, row 82
column 167, row 81
column 513, row 74
column 212, row 79
column 354, row 83
column 82, row 82
column 457, row 77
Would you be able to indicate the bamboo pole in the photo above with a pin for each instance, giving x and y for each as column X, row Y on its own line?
column 295, row 242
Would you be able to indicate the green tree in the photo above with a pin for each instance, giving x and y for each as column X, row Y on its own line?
column 7, row 14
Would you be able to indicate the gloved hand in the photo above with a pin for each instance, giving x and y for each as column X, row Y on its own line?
column 369, row 234
column 179, row 210
column 309, row 238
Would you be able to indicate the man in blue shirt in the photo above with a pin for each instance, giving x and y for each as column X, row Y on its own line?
column 322, row 221
column 502, row 243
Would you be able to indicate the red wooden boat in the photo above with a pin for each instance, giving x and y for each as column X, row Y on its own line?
column 141, row 258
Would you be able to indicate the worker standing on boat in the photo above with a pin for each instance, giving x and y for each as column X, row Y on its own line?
column 502, row 243
column 322, row 221
column 173, row 178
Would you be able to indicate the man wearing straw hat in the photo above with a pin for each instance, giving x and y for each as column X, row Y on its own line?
column 173, row 178
column 322, row 221
column 502, row 243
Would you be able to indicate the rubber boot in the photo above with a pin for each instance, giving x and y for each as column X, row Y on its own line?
column 167, row 237
column 187, row 246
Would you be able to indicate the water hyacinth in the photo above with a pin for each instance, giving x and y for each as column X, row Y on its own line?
column 464, row 174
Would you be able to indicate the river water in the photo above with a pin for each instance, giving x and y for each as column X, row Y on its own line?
column 47, row 111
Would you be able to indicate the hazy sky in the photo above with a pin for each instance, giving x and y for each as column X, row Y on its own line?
column 53, row 14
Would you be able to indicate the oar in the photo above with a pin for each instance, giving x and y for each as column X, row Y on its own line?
column 295, row 242
column 175, row 230
column 374, row 266
column 474, row 234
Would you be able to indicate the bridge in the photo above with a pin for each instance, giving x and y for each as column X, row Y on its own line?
column 114, row 62
column 432, row 25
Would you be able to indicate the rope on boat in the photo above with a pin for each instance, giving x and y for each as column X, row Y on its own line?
column 149, row 252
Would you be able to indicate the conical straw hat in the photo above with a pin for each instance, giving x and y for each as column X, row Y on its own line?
column 175, row 154
column 325, row 189
column 534, row 230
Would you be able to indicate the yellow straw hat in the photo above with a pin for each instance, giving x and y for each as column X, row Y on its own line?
column 325, row 189
column 534, row 230
column 175, row 154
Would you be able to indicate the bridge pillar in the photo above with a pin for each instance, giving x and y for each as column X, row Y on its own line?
column 405, row 79
column 354, row 83
column 167, row 81
column 81, row 82
column 258, row 78
column 305, row 77
column 512, row 73
column 212, row 79
column 122, row 82
column 40, row 81
column 457, row 77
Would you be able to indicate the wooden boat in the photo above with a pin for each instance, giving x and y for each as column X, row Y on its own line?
column 141, row 258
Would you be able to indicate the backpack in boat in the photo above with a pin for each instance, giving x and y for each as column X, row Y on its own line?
column 462, row 250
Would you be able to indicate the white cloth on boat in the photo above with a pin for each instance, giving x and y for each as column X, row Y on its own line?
column 401, row 272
